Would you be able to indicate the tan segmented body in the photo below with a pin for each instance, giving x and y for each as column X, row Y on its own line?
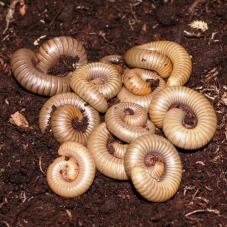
column 142, row 57
column 73, row 177
column 115, row 60
column 120, row 149
column 115, row 121
column 106, row 163
column 66, row 99
column 137, row 85
column 34, row 77
column 51, row 50
column 62, row 119
column 171, row 120
column 156, row 182
column 96, row 83
column 135, row 81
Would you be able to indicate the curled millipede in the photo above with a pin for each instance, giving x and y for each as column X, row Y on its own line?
column 30, row 69
column 145, row 56
column 139, row 85
column 109, row 165
column 69, row 107
column 115, row 60
column 173, row 120
column 154, row 166
column 73, row 176
column 128, row 121
column 96, row 83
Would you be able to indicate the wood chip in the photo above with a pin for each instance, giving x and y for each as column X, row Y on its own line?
column 19, row 120
column 199, row 25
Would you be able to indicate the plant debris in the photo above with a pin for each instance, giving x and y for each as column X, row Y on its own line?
column 19, row 120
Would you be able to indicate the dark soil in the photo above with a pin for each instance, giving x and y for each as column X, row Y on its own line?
column 111, row 27
column 63, row 66
column 80, row 125
column 153, row 83
column 190, row 120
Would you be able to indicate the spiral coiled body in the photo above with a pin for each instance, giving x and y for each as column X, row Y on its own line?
column 101, row 80
column 146, row 56
column 154, row 166
column 128, row 121
column 171, row 119
column 62, row 123
column 109, row 165
column 138, row 87
column 71, row 106
column 30, row 69
column 72, row 177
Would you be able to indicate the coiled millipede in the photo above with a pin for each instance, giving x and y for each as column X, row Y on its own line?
column 166, row 112
column 111, row 165
column 73, row 173
column 154, row 166
column 128, row 121
column 70, row 108
column 140, row 87
column 31, row 70
column 102, row 81
column 158, row 56
column 114, row 59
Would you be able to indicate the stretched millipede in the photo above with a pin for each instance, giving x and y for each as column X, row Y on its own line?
column 151, row 56
column 30, row 69
column 73, row 173
column 128, row 121
column 140, row 87
column 154, row 166
column 96, row 83
column 69, row 107
column 114, row 59
column 108, row 164
column 168, row 111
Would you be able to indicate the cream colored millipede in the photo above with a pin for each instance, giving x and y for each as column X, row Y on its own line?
column 172, row 119
column 73, row 173
column 115, row 60
column 144, row 56
column 96, row 83
column 62, row 122
column 110, row 165
column 154, row 166
column 138, row 87
column 128, row 121
column 50, row 51
column 30, row 69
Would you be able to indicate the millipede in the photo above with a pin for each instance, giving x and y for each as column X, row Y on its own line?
column 128, row 121
column 69, row 107
column 167, row 111
column 73, row 173
column 102, row 80
column 154, row 166
column 140, row 86
column 167, row 58
column 30, row 69
column 111, row 165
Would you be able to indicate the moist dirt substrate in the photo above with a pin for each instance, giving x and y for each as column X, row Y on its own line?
column 111, row 27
